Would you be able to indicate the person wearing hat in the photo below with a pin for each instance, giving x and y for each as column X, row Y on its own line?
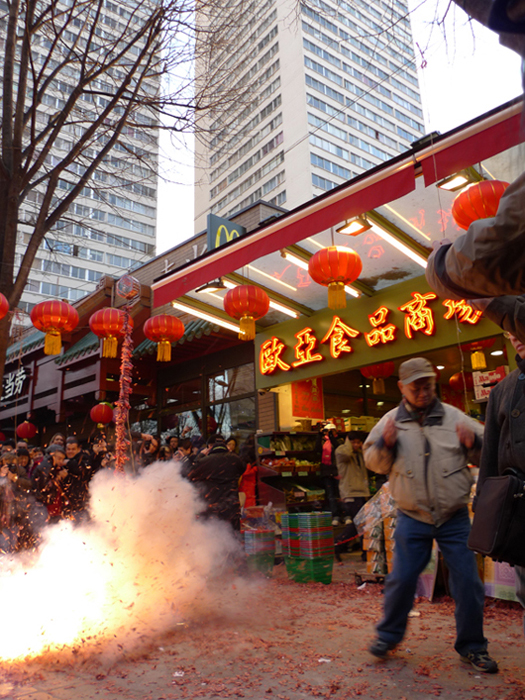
column 326, row 445
column 425, row 447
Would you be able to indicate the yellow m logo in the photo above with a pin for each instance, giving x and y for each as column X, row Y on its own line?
column 228, row 235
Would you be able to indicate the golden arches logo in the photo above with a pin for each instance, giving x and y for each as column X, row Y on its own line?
column 229, row 235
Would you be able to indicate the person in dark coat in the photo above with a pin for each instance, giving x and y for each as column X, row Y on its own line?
column 326, row 445
column 216, row 476
column 183, row 456
column 505, row 436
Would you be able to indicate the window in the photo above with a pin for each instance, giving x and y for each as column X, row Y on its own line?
column 323, row 183
column 231, row 382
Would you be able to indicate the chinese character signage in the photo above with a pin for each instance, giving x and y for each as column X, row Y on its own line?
column 13, row 384
column 221, row 231
column 410, row 321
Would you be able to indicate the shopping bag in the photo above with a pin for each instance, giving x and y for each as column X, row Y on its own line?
column 498, row 529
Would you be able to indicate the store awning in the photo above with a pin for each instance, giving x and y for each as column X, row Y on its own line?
column 26, row 344
column 89, row 344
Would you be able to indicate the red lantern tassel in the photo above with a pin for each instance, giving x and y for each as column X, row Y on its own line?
column 53, row 343
column 110, row 346
column 163, row 351
column 378, row 385
column 247, row 328
column 336, row 295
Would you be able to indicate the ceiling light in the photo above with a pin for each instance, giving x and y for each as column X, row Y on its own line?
column 212, row 286
column 396, row 243
column 353, row 292
column 380, row 403
column 497, row 352
column 440, row 366
column 271, row 277
column 300, row 262
column 205, row 316
column 354, row 226
column 346, row 410
column 455, row 182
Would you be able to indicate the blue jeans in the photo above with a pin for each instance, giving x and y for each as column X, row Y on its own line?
column 412, row 552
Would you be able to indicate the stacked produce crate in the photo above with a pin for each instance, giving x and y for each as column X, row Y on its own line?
column 308, row 546
column 259, row 546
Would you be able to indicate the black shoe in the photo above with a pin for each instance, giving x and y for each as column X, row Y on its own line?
column 481, row 661
column 380, row 648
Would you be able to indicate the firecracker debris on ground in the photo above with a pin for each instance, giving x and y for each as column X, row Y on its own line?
column 298, row 641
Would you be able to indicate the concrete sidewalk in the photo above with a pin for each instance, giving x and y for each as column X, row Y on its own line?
column 292, row 642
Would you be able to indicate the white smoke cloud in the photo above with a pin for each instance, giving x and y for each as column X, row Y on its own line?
column 141, row 566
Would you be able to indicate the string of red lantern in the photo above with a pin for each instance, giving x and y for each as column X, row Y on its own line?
column 477, row 201
column 54, row 318
column 108, row 324
column 246, row 303
column 334, row 267
column 163, row 330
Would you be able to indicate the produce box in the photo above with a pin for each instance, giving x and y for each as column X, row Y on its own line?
column 304, row 570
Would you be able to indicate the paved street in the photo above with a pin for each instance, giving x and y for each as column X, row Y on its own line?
column 292, row 642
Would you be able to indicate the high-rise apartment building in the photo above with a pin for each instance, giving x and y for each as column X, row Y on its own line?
column 335, row 92
column 110, row 228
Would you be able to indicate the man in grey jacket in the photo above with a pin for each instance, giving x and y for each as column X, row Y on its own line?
column 426, row 446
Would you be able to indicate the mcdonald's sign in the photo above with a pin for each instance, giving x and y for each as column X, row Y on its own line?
column 221, row 231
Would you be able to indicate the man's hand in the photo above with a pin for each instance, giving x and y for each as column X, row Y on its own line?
column 466, row 435
column 390, row 433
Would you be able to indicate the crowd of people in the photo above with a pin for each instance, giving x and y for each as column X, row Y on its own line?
column 43, row 486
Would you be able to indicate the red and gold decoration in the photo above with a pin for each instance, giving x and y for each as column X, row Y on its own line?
column 461, row 381
column 26, row 430
column 102, row 413
column 53, row 318
column 108, row 324
column 246, row 303
column 477, row 201
column 128, row 288
column 122, row 444
column 334, row 267
column 164, row 330
column 378, row 373
column 4, row 306
column 478, row 359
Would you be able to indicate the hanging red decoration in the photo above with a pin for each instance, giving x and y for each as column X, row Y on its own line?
column 333, row 267
column 164, row 330
column 2, row 437
column 53, row 318
column 122, row 444
column 26, row 430
column 102, row 413
column 108, row 323
column 478, row 359
column 477, row 201
column 4, row 306
column 246, row 303
column 378, row 373
column 461, row 381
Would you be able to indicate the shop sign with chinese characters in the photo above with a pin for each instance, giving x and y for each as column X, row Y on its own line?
column 409, row 321
column 13, row 384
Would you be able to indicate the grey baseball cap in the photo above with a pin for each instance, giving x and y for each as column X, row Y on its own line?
column 415, row 368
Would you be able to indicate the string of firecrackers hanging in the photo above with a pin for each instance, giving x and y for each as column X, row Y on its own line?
column 127, row 288
column 122, row 444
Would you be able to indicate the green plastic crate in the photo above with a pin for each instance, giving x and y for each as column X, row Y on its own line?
column 303, row 570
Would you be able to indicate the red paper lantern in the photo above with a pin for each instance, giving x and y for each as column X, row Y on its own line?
column 4, row 306
column 102, row 413
column 54, row 317
column 461, row 381
column 108, row 323
column 26, row 430
column 477, row 201
column 478, row 359
column 246, row 303
column 2, row 437
column 164, row 330
column 378, row 373
column 333, row 267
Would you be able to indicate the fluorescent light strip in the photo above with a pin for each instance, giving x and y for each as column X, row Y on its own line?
column 270, row 277
column 312, row 240
column 206, row 317
column 353, row 292
column 273, row 304
column 389, row 238
column 295, row 260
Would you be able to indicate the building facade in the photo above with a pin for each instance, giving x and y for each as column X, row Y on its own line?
column 335, row 93
column 110, row 227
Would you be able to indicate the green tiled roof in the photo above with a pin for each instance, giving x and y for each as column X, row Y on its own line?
column 194, row 329
column 89, row 343
column 29, row 342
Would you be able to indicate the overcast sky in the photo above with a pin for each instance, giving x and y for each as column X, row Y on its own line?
column 463, row 73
